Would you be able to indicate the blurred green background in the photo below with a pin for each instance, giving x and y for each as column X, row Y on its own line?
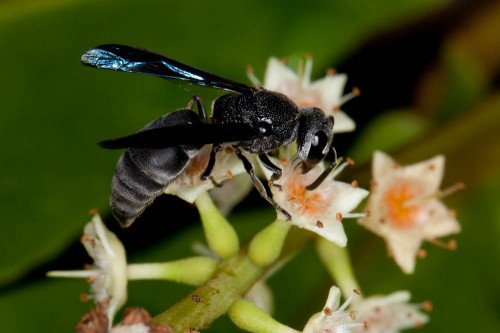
column 429, row 72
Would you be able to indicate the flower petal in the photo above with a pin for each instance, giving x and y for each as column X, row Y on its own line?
column 404, row 248
column 279, row 77
column 331, row 230
column 330, row 90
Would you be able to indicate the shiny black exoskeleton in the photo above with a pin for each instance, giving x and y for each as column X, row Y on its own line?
column 247, row 118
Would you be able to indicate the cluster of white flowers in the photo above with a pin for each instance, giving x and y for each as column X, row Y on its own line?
column 403, row 206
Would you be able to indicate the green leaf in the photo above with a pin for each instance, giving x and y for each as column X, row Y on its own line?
column 48, row 306
column 465, row 84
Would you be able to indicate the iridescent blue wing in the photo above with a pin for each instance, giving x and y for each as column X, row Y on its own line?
column 136, row 60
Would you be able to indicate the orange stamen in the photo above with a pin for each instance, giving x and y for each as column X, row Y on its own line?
column 331, row 71
column 84, row 238
column 84, row 297
column 327, row 311
column 427, row 306
column 422, row 254
column 249, row 69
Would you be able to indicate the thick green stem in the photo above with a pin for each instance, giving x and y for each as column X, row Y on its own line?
column 232, row 280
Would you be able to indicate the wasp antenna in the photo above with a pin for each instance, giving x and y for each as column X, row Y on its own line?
column 326, row 172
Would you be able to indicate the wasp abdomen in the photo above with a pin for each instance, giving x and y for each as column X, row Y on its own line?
column 138, row 180
column 142, row 174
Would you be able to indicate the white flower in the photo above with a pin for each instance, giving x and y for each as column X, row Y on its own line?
column 188, row 186
column 405, row 208
column 326, row 93
column 333, row 318
column 322, row 209
column 389, row 314
column 108, row 273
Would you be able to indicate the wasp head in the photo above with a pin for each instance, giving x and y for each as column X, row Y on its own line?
column 314, row 138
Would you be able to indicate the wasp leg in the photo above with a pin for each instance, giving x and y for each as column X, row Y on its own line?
column 273, row 168
column 211, row 163
column 214, row 182
column 259, row 186
column 270, row 166
column 201, row 108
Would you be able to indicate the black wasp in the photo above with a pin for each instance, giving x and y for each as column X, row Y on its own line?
column 247, row 118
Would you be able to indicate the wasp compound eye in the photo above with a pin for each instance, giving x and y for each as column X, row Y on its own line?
column 318, row 145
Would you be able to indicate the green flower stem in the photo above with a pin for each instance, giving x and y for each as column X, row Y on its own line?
column 251, row 318
column 338, row 263
column 219, row 233
column 231, row 281
column 266, row 246
column 192, row 271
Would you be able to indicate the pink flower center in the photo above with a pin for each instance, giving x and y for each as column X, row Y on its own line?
column 397, row 199
column 311, row 203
